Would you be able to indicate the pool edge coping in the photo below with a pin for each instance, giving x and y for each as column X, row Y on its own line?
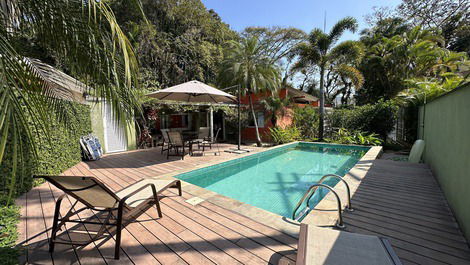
column 278, row 222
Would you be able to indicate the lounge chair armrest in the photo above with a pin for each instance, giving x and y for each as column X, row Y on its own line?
column 154, row 190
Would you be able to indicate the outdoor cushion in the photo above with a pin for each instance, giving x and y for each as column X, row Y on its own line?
column 144, row 194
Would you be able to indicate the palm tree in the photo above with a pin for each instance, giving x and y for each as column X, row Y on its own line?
column 82, row 36
column 244, row 65
column 276, row 106
column 320, row 50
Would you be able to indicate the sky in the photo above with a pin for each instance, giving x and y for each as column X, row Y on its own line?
column 303, row 14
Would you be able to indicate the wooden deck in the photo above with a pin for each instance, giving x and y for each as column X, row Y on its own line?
column 404, row 203
column 408, row 208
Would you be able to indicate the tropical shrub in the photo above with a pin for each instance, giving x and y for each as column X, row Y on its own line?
column 306, row 120
column 344, row 136
column 284, row 135
column 376, row 118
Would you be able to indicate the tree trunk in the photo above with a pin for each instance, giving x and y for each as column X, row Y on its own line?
column 274, row 119
column 258, row 139
column 322, row 104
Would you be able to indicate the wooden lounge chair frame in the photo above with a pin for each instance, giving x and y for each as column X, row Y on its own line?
column 125, row 212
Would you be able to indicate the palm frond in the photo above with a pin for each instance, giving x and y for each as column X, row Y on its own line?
column 347, row 23
column 83, row 36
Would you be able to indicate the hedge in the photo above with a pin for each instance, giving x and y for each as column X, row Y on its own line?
column 57, row 151
column 376, row 118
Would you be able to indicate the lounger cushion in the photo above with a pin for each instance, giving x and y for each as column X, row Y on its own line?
column 144, row 194
column 328, row 246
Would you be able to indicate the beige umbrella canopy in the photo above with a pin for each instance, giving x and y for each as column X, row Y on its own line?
column 193, row 91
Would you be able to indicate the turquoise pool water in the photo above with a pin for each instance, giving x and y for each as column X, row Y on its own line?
column 276, row 179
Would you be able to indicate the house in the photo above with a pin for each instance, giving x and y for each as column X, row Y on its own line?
column 300, row 99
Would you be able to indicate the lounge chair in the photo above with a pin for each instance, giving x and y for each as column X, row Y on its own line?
column 327, row 246
column 416, row 151
column 121, row 207
column 177, row 144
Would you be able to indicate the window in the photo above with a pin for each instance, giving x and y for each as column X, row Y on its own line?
column 177, row 121
column 259, row 118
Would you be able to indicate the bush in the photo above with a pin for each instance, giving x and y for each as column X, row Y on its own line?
column 9, row 217
column 56, row 152
column 343, row 136
column 306, row 120
column 376, row 118
column 284, row 135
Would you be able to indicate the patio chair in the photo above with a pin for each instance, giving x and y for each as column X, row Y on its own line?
column 177, row 143
column 165, row 138
column 208, row 142
column 327, row 246
column 203, row 134
column 122, row 207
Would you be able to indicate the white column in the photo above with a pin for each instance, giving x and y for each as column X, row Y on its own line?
column 211, row 119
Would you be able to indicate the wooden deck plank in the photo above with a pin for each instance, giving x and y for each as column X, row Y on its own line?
column 202, row 216
column 21, row 228
column 37, row 246
column 217, row 239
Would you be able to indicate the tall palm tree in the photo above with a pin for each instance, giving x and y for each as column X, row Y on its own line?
column 277, row 106
column 320, row 50
column 244, row 65
column 81, row 35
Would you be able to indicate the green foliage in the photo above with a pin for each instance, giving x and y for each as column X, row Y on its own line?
column 421, row 90
column 412, row 54
column 9, row 217
column 306, row 120
column 344, row 136
column 371, row 118
column 284, row 135
column 56, row 151
column 180, row 40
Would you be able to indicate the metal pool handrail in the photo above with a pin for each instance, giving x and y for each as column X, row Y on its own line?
column 348, row 191
column 314, row 187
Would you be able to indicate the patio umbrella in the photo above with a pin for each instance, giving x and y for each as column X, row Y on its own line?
column 194, row 92
column 198, row 92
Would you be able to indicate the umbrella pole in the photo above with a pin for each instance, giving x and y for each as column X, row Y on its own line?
column 238, row 150
column 239, row 120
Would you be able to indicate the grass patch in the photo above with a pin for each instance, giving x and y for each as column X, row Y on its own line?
column 9, row 218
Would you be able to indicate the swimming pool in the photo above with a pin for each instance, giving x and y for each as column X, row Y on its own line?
column 276, row 179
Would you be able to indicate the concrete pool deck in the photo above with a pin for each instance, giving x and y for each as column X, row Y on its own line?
column 397, row 200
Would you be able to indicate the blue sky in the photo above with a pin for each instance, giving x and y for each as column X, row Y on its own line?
column 303, row 14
